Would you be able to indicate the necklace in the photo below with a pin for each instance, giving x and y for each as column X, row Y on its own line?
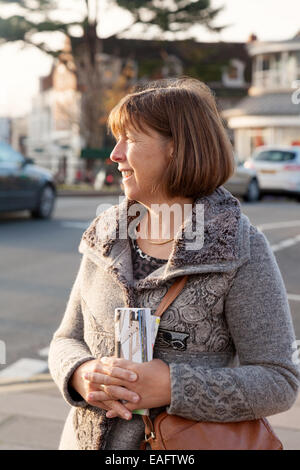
column 160, row 243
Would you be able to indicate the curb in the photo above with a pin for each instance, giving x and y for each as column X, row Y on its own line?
column 35, row 379
column 88, row 193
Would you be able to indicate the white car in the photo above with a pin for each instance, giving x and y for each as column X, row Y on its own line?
column 277, row 169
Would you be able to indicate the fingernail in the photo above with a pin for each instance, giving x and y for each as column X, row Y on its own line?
column 104, row 359
column 127, row 415
column 132, row 376
column 91, row 395
column 135, row 398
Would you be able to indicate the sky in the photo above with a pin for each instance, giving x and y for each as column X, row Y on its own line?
column 20, row 67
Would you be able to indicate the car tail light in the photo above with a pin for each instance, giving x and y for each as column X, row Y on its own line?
column 291, row 167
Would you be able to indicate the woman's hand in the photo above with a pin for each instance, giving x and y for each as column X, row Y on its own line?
column 92, row 378
column 153, row 384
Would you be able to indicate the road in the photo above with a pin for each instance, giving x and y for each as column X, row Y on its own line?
column 39, row 261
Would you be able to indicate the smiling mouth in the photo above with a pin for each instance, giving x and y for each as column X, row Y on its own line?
column 126, row 175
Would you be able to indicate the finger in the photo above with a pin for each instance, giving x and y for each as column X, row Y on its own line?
column 115, row 406
column 97, row 378
column 130, row 406
column 119, row 362
column 99, row 396
column 117, row 393
column 111, row 414
column 121, row 393
column 115, row 372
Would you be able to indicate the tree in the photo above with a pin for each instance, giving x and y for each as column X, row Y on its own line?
column 82, row 54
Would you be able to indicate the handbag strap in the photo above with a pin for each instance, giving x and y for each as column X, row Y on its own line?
column 168, row 298
column 172, row 293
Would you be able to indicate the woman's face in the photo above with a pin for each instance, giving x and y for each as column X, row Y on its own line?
column 146, row 157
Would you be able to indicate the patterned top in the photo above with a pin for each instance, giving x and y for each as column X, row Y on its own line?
column 142, row 263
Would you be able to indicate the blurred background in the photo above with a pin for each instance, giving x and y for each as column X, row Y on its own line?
column 64, row 64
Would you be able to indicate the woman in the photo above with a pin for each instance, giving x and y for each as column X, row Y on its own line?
column 224, row 347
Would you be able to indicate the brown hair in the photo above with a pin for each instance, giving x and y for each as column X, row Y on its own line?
column 184, row 110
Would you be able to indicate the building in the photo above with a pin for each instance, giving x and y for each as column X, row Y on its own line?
column 54, row 138
column 19, row 133
column 270, row 114
column 225, row 67
column 53, row 127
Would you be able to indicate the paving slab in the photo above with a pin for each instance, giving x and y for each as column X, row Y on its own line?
column 34, row 405
column 13, row 447
column 289, row 419
column 32, row 417
column 24, row 368
column 3, row 417
column 33, row 433
column 51, row 391
column 289, row 438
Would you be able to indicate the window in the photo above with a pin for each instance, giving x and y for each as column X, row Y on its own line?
column 275, row 156
column 9, row 155
column 233, row 74
column 266, row 63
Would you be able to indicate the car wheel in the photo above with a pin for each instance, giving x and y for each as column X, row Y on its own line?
column 46, row 203
column 253, row 192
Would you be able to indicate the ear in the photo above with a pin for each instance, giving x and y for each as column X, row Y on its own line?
column 170, row 148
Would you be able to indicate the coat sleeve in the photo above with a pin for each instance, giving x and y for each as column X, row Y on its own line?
column 266, row 380
column 68, row 349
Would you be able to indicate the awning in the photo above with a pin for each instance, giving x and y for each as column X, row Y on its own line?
column 96, row 154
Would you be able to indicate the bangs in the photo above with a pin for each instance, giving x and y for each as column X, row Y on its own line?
column 125, row 116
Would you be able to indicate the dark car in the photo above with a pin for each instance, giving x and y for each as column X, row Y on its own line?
column 25, row 186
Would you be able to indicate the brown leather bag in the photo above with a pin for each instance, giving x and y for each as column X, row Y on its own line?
column 170, row 432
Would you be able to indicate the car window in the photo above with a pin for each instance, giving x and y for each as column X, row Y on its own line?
column 8, row 155
column 275, row 156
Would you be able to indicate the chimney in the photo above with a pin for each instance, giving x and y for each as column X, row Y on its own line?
column 252, row 38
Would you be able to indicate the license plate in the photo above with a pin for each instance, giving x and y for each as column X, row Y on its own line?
column 268, row 171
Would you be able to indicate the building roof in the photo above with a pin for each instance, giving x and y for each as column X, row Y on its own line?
column 263, row 47
column 200, row 59
column 279, row 104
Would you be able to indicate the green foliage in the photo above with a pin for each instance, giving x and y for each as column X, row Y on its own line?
column 176, row 16
column 150, row 68
column 205, row 72
column 180, row 17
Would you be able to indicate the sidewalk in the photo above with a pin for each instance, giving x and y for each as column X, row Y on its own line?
column 32, row 416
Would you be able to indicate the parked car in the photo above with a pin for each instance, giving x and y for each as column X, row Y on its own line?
column 278, row 169
column 244, row 183
column 25, row 186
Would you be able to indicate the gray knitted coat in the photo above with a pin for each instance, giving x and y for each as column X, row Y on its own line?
column 228, row 337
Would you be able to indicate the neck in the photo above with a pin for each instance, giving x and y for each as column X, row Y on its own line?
column 163, row 219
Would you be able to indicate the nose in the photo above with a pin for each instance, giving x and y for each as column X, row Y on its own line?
column 118, row 153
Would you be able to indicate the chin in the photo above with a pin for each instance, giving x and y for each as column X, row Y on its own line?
column 130, row 194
